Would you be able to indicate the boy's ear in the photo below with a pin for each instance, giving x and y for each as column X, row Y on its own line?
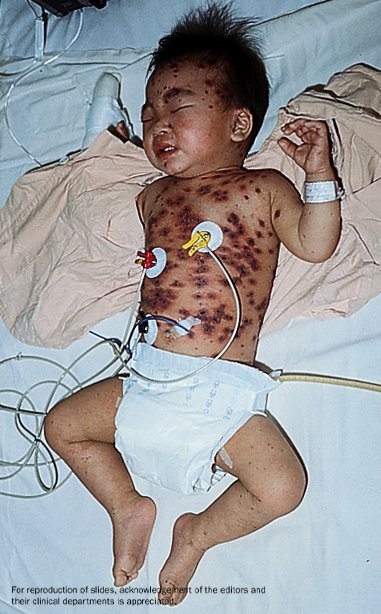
column 242, row 125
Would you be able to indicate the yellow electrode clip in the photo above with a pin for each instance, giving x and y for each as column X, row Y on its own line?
column 197, row 241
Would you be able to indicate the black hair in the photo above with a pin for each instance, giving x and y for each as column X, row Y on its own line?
column 215, row 35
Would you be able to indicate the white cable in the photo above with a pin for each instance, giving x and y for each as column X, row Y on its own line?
column 37, row 17
column 37, row 455
column 39, row 38
column 36, row 65
column 33, row 8
column 221, row 352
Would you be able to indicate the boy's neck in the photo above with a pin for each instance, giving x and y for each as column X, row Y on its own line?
column 222, row 170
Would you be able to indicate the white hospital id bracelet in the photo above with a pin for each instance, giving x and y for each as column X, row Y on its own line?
column 316, row 192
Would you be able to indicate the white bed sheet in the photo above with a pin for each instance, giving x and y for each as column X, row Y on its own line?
column 46, row 110
column 324, row 558
column 140, row 24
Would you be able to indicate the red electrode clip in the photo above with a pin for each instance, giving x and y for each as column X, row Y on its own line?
column 147, row 259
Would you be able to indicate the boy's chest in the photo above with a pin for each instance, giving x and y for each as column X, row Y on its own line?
column 245, row 240
column 172, row 215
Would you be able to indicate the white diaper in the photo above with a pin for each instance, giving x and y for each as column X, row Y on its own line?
column 170, row 433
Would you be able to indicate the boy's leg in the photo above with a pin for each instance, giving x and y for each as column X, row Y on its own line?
column 81, row 430
column 270, row 483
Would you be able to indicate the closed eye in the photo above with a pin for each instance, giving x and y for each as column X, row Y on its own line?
column 146, row 114
column 181, row 108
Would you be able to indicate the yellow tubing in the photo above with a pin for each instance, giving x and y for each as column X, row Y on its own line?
column 327, row 379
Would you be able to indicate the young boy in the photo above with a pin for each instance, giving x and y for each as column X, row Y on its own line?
column 205, row 101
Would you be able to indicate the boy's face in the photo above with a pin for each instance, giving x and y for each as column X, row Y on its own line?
column 187, row 125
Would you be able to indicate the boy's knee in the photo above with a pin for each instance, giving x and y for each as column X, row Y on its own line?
column 53, row 427
column 288, row 490
column 49, row 430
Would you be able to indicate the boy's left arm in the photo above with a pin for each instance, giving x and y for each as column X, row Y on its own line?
column 312, row 229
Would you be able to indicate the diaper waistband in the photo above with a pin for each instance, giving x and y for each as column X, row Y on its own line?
column 162, row 365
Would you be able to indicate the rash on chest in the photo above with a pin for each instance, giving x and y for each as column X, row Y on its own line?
column 195, row 286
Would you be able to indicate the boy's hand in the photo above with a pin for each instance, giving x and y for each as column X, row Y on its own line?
column 313, row 154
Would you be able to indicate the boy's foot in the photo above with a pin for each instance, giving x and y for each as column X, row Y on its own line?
column 132, row 532
column 182, row 561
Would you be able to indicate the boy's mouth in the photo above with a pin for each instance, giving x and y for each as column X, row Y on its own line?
column 164, row 150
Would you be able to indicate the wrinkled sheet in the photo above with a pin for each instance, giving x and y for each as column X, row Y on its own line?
column 69, row 238
column 82, row 258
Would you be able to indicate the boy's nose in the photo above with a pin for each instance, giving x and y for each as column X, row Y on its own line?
column 161, row 127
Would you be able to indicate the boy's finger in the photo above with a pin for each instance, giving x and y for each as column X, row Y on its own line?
column 287, row 146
